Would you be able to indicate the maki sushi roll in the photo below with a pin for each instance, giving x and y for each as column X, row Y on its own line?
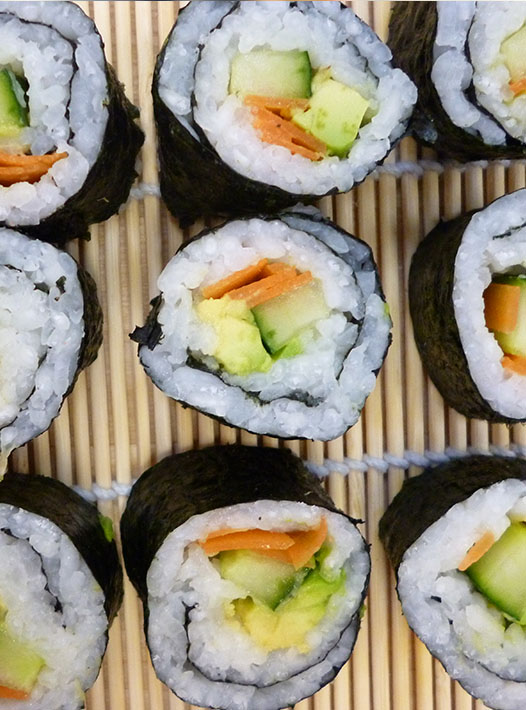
column 274, row 324
column 252, row 581
column 60, row 588
column 456, row 536
column 467, row 300
column 68, row 139
column 50, row 329
column 467, row 60
column 261, row 105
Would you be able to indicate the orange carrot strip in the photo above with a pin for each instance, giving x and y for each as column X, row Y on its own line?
column 477, row 550
column 501, row 307
column 25, row 168
column 277, row 130
column 261, row 291
column 13, row 694
column 306, row 543
column 247, row 540
column 224, row 531
column 515, row 363
column 278, row 266
column 235, row 280
column 518, row 86
column 277, row 104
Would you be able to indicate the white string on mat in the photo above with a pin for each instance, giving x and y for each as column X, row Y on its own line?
column 380, row 464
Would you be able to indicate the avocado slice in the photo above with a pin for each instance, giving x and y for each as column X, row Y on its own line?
column 239, row 347
column 266, row 72
column 500, row 574
column 513, row 51
column 335, row 115
column 514, row 343
column 283, row 318
column 13, row 109
column 265, row 579
column 19, row 664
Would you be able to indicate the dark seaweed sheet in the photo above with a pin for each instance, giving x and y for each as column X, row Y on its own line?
column 79, row 520
column 151, row 333
column 431, row 280
column 194, row 482
column 412, row 30
column 426, row 498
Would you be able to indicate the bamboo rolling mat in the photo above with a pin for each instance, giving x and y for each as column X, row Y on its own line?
column 116, row 424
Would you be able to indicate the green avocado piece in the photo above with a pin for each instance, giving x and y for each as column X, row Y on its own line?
column 514, row 343
column 513, row 51
column 282, row 318
column 19, row 665
column 335, row 115
column 266, row 72
column 239, row 347
column 13, row 108
column 500, row 574
column 265, row 579
column 107, row 527
column 289, row 623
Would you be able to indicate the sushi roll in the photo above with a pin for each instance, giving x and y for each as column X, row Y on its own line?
column 467, row 60
column 50, row 329
column 260, row 105
column 456, row 537
column 467, row 301
column 274, row 324
column 68, row 138
column 252, row 581
column 60, row 588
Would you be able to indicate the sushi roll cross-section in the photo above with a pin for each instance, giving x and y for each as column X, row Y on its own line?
column 60, row 588
column 261, row 105
column 467, row 303
column 456, row 538
column 274, row 324
column 68, row 138
column 50, row 329
column 252, row 581
column 468, row 60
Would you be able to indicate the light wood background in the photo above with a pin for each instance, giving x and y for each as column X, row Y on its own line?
column 116, row 424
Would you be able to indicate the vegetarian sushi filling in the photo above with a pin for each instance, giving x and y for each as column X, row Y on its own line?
column 41, row 331
column 253, row 605
column 493, row 36
column 298, row 95
column 52, row 618
column 468, row 573
column 50, row 127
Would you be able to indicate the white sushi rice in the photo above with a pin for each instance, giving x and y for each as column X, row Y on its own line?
column 480, row 27
column 210, row 660
column 316, row 394
column 41, row 332
column 332, row 38
column 477, row 646
column 55, row 46
column 494, row 242
column 40, row 567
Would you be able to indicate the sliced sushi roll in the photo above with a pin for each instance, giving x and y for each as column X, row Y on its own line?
column 456, row 536
column 50, row 329
column 252, row 581
column 68, row 139
column 262, row 105
column 467, row 301
column 60, row 588
column 469, row 64
column 277, row 325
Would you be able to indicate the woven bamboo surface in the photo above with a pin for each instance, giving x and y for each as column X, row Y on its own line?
column 116, row 424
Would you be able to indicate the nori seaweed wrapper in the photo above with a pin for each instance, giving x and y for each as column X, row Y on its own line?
column 431, row 281
column 194, row 482
column 77, row 519
column 93, row 321
column 412, row 30
column 110, row 178
column 427, row 497
column 196, row 182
